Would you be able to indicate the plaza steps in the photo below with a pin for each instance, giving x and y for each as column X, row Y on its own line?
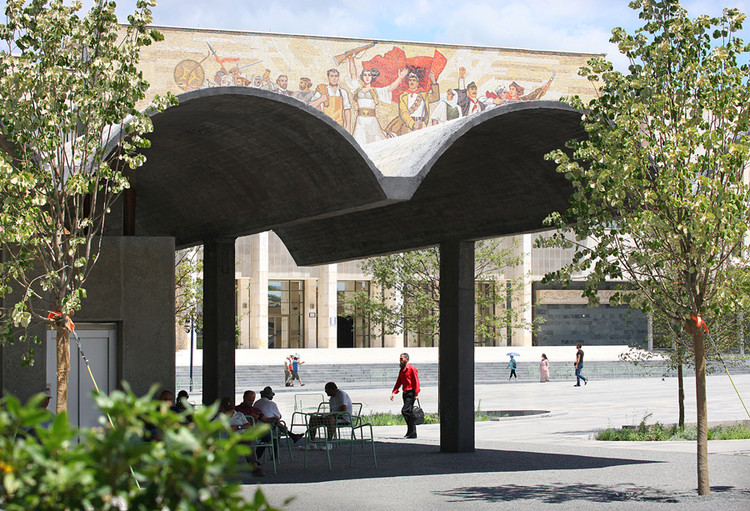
column 384, row 375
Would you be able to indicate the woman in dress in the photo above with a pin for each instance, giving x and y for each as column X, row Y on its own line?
column 544, row 369
column 367, row 128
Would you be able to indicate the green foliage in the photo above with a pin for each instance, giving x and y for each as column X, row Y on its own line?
column 69, row 128
column 658, row 184
column 659, row 433
column 113, row 467
column 390, row 419
column 410, row 297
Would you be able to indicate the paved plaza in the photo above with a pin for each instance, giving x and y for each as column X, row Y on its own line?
column 532, row 462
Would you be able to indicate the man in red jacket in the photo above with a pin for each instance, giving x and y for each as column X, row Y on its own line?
column 408, row 378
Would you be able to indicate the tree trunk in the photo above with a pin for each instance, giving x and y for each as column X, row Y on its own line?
column 699, row 348
column 680, row 397
column 63, row 368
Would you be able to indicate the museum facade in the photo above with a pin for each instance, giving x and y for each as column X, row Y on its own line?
column 376, row 91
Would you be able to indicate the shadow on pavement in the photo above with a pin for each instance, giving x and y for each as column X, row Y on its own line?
column 402, row 459
column 562, row 493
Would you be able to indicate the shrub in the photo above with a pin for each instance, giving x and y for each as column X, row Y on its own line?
column 114, row 467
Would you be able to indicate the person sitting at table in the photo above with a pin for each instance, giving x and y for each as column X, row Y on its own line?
column 239, row 423
column 270, row 414
column 251, row 412
column 338, row 401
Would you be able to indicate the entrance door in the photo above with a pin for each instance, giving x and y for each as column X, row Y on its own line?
column 345, row 332
column 98, row 342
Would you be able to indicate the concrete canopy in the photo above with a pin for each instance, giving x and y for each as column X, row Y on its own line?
column 233, row 161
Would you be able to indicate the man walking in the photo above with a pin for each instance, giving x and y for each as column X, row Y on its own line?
column 579, row 367
column 408, row 378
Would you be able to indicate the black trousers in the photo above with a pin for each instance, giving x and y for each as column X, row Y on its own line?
column 407, row 411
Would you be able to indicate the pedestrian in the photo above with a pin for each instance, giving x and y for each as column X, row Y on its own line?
column 544, row 369
column 296, row 362
column 579, row 366
column 288, row 371
column 408, row 380
column 512, row 365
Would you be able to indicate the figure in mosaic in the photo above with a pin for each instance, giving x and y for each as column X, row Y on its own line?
column 304, row 94
column 333, row 100
column 414, row 105
column 367, row 98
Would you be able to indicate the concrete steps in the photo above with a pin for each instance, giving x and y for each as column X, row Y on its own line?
column 384, row 375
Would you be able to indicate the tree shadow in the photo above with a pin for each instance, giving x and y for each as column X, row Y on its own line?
column 561, row 493
column 406, row 460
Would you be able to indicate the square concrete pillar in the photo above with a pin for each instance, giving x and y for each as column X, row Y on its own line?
column 328, row 307
column 456, row 350
column 218, row 319
column 311, row 313
column 394, row 297
column 258, row 316
column 243, row 310
column 523, row 301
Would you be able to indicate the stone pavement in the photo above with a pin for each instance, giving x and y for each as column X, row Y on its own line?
column 531, row 462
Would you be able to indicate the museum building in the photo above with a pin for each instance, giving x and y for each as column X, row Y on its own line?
column 378, row 90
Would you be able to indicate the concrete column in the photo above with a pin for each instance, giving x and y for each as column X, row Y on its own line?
column 243, row 311
column 521, row 301
column 394, row 297
column 327, row 308
column 311, row 313
column 218, row 319
column 258, row 316
column 456, row 351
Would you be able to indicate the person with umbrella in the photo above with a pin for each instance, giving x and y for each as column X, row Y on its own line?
column 512, row 365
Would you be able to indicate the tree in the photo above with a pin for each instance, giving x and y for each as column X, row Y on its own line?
column 69, row 86
column 188, row 276
column 413, row 279
column 658, row 184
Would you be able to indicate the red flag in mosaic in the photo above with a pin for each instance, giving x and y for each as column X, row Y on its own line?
column 395, row 60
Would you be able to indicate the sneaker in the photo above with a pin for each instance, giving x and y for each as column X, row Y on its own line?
column 585, row 382
column 301, row 384
column 326, row 447
column 577, row 385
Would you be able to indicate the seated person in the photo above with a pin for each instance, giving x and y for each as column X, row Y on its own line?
column 339, row 401
column 270, row 413
column 250, row 412
column 238, row 422
column 179, row 406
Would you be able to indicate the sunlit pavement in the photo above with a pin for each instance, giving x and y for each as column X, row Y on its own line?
column 537, row 461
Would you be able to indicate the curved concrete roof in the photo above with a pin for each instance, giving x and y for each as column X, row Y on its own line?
column 482, row 176
column 234, row 161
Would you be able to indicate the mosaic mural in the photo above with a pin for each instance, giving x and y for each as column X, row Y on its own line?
column 375, row 90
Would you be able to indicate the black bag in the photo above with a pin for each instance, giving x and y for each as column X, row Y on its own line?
column 418, row 414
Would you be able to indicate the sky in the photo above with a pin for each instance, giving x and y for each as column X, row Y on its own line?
column 563, row 25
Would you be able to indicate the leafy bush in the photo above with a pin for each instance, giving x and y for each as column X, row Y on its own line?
column 658, row 432
column 114, row 467
column 390, row 419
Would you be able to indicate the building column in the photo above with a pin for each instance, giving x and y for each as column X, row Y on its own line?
column 522, row 301
column 393, row 298
column 218, row 319
column 327, row 308
column 258, row 314
column 311, row 313
column 456, row 351
column 243, row 311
